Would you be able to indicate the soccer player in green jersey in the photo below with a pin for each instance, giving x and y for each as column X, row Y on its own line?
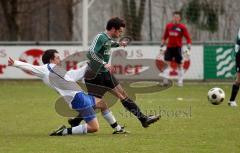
column 99, row 78
column 235, row 86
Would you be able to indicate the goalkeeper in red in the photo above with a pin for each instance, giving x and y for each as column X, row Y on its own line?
column 173, row 34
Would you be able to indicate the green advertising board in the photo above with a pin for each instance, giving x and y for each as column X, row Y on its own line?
column 219, row 62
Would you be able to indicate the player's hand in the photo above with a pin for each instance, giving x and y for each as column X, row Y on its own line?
column 123, row 43
column 109, row 67
column 10, row 61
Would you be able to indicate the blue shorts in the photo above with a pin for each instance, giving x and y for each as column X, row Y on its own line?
column 84, row 104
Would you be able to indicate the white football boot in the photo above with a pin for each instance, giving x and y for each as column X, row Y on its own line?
column 232, row 104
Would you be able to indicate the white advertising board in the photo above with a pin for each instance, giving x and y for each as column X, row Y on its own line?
column 132, row 62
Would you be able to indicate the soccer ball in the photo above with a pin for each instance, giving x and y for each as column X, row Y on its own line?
column 216, row 96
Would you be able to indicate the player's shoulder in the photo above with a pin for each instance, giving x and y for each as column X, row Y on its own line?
column 101, row 36
column 182, row 25
column 169, row 24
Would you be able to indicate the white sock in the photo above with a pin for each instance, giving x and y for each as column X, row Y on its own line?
column 108, row 116
column 180, row 75
column 80, row 129
column 65, row 132
column 166, row 75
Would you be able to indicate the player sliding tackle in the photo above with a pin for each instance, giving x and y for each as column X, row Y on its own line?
column 64, row 82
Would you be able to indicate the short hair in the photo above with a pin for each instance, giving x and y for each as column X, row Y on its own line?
column 116, row 23
column 48, row 55
column 177, row 13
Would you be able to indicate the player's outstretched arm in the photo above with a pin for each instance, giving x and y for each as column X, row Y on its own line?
column 38, row 71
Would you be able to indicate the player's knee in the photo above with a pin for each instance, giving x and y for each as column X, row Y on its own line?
column 94, row 129
column 123, row 95
column 237, row 81
column 104, row 107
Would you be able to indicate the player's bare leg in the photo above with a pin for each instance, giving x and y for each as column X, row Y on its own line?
column 131, row 106
column 89, row 127
column 91, row 124
column 106, row 113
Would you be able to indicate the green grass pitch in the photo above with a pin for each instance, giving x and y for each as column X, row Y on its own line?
column 188, row 125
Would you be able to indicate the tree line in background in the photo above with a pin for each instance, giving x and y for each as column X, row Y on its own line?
column 27, row 20
column 46, row 20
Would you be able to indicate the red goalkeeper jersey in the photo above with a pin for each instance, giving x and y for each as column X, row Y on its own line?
column 174, row 33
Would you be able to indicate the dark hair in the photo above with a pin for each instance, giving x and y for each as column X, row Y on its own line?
column 116, row 23
column 177, row 13
column 48, row 55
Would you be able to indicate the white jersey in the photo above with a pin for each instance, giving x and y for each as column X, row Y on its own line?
column 44, row 73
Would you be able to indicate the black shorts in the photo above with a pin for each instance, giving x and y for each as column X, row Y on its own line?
column 237, row 60
column 174, row 53
column 100, row 84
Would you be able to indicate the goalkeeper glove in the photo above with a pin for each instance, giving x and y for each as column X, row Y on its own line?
column 161, row 49
column 186, row 52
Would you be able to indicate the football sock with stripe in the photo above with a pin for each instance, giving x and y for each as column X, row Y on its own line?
column 80, row 129
column 108, row 116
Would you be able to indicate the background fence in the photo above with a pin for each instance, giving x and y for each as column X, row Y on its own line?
column 61, row 20
column 28, row 27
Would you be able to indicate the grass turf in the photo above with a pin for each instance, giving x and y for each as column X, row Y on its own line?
column 190, row 124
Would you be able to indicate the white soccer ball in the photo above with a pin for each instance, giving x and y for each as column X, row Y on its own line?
column 216, row 96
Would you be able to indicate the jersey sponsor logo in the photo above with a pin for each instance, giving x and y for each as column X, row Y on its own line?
column 178, row 29
column 107, row 47
column 107, row 52
column 32, row 56
column 173, row 33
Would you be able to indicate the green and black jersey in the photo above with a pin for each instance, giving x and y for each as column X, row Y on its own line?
column 237, row 44
column 237, row 52
column 99, row 51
